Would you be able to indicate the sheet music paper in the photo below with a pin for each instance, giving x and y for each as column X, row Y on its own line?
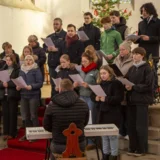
column 4, row 76
column 82, row 35
column 78, row 67
column 132, row 37
column 48, row 42
column 104, row 62
column 90, row 117
column 57, row 69
column 57, row 81
column 97, row 89
column 125, row 81
column 102, row 54
column 21, row 62
column 19, row 82
column 116, row 70
column 76, row 78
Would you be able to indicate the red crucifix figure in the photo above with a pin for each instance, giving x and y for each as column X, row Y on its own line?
column 72, row 145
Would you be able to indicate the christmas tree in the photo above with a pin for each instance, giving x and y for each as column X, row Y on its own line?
column 102, row 8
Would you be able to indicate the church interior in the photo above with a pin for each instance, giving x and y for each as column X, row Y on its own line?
column 22, row 18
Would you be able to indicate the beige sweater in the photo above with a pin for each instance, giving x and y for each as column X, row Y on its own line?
column 124, row 64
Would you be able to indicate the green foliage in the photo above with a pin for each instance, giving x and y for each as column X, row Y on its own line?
column 102, row 8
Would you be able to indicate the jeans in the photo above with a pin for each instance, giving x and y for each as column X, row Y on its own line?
column 29, row 109
column 92, row 108
column 110, row 145
column 52, row 74
column 59, row 148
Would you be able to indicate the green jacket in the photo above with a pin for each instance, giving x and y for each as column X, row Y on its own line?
column 110, row 41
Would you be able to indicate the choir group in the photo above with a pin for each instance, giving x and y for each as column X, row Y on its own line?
column 125, row 97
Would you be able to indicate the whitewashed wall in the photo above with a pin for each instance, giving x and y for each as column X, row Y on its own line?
column 17, row 24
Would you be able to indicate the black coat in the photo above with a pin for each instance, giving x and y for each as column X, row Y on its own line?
column 93, row 34
column 58, row 40
column 121, row 27
column 74, row 51
column 142, row 91
column 109, row 111
column 2, row 62
column 38, row 51
column 64, row 109
column 151, row 29
column 11, row 90
column 64, row 73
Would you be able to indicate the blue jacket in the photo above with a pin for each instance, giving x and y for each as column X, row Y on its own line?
column 33, row 78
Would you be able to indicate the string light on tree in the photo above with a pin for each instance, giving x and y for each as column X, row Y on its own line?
column 102, row 8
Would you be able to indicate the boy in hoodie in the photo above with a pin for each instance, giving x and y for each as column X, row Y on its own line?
column 110, row 40
column 65, row 108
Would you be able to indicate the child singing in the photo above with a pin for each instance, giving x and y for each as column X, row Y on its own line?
column 109, row 109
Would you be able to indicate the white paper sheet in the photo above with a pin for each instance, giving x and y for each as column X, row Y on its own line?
column 78, row 67
column 76, row 78
column 19, row 82
column 102, row 54
column 57, row 81
column 48, row 42
column 125, row 81
column 97, row 89
column 82, row 35
column 21, row 62
column 4, row 76
column 57, row 69
column 132, row 37
column 90, row 117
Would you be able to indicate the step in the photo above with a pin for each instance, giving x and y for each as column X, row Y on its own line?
column 37, row 146
column 14, row 154
column 154, row 133
column 153, row 146
column 146, row 157
column 154, row 115
column 154, row 106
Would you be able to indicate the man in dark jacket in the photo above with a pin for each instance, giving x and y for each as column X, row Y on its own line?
column 38, row 51
column 73, row 46
column 120, row 24
column 91, row 31
column 149, row 30
column 54, row 53
column 65, row 108
column 7, row 47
